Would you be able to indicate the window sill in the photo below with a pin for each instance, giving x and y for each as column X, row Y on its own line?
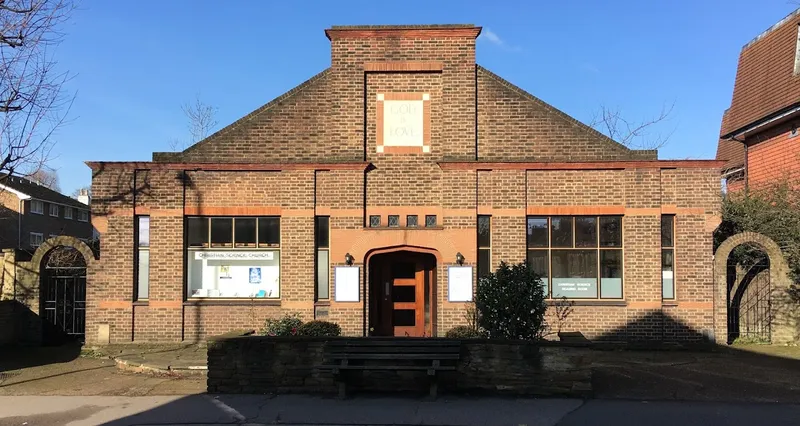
column 669, row 303
column 579, row 302
column 325, row 302
column 141, row 302
column 232, row 302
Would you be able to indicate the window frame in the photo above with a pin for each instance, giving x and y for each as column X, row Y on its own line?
column 39, row 203
column 68, row 213
column 188, row 250
column 484, row 248
column 138, row 249
column 83, row 215
column 598, row 248
column 50, row 210
column 30, row 238
column 670, row 249
column 318, row 248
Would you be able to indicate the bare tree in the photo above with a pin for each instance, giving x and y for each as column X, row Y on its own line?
column 32, row 101
column 633, row 134
column 46, row 177
column 201, row 120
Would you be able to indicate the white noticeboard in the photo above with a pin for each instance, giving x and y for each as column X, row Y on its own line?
column 459, row 284
column 346, row 282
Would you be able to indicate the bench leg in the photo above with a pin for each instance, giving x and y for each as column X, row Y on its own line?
column 434, row 388
column 342, row 389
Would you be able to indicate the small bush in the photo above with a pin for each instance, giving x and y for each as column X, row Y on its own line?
column 319, row 328
column 462, row 332
column 288, row 325
column 510, row 303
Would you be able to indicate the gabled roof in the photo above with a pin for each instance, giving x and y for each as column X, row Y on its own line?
column 766, row 83
column 37, row 191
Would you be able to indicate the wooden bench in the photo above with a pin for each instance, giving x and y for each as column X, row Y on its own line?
column 396, row 354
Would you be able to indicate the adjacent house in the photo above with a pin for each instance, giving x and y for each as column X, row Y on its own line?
column 758, row 139
column 31, row 213
column 375, row 195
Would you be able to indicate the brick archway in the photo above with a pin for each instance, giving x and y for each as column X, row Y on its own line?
column 783, row 320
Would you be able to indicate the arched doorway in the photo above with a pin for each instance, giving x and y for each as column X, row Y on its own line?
column 756, row 292
column 62, row 266
column 402, row 289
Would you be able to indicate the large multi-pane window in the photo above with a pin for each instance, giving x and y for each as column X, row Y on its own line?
column 484, row 245
column 668, row 256
column 233, row 257
column 322, row 245
column 142, row 270
column 578, row 257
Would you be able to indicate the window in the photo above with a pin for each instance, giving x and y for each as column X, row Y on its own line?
column 67, row 212
column 668, row 256
column 142, row 270
column 394, row 221
column 578, row 257
column 411, row 221
column 233, row 257
column 374, row 221
column 322, row 243
column 54, row 210
column 37, row 207
column 53, row 235
column 484, row 245
column 37, row 238
column 430, row 221
column 83, row 215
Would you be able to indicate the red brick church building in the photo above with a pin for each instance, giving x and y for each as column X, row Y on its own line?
column 377, row 192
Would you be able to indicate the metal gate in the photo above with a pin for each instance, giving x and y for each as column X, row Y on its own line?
column 750, row 313
column 63, row 297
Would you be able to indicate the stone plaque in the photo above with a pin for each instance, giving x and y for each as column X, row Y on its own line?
column 402, row 123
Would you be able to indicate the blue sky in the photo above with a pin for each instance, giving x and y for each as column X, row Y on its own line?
column 135, row 63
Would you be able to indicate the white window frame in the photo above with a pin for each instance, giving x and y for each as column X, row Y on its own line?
column 83, row 215
column 39, row 203
column 67, row 212
column 40, row 237
column 51, row 210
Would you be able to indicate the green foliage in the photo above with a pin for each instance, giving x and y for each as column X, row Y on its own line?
column 319, row 328
column 751, row 340
column 287, row 325
column 462, row 332
column 510, row 303
column 773, row 211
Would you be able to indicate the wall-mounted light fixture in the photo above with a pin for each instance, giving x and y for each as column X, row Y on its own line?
column 459, row 258
column 348, row 259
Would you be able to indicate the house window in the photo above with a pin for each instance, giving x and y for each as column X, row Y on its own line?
column 67, row 212
column 394, row 221
column 430, row 221
column 233, row 257
column 668, row 256
column 578, row 257
column 484, row 245
column 54, row 210
column 411, row 221
column 83, row 215
column 142, row 270
column 37, row 207
column 322, row 245
column 374, row 221
column 37, row 238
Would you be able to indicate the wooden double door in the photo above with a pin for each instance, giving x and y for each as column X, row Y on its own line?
column 401, row 294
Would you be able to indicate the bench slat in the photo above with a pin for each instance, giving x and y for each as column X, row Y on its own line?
column 388, row 367
column 393, row 342
column 355, row 350
column 429, row 357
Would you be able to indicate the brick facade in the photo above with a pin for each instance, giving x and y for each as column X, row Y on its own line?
column 494, row 150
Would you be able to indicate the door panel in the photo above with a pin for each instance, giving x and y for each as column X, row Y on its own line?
column 400, row 282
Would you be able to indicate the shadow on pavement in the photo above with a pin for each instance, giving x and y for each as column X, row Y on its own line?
column 19, row 357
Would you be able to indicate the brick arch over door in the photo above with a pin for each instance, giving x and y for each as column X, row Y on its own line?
column 62, row 241
column 783, row 320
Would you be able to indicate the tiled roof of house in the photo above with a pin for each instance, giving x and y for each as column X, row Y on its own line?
column 39, row 192
column 730, row 151
column 765, row 81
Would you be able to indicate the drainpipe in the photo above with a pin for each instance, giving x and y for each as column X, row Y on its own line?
column 19, row 224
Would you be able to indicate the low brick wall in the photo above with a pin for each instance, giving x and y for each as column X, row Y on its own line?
column 259, row 364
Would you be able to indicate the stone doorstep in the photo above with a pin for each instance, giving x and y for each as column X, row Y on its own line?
column 161, row 369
